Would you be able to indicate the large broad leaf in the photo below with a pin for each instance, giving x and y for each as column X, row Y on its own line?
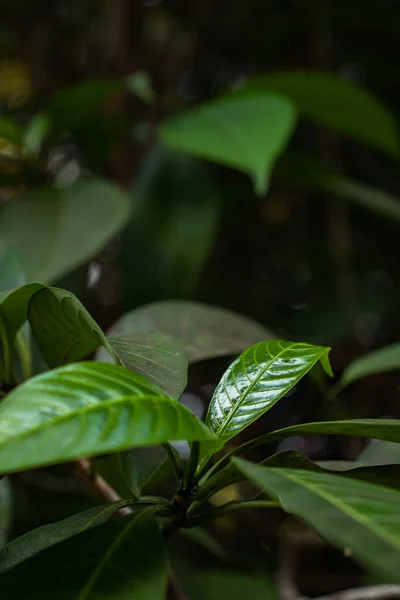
column 88, row 409
column 64, row 330
column 11, row 273
column 257, row 380
column 172, row 215
column 121, row 560
column 379, row 361
column 37, row 540
column 68, row 225
column 6, row 510
column 157, row 356
column 292, row 459
column 246, row 133
column 380, row 429
column 335, row 102
column 354, row 515
column 203, row 331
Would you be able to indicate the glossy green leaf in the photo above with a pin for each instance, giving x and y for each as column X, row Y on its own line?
column 63, row 329
column 156, row 356
column 353, row 515
column 202, row 331
column 246, row 133
column 257, row 380
column 88, row 409
column 380, row 361
column 380, row 429
column 122, row 559
column 6, row 510
column 69, row 225
column 37, row 540
column 334, row 102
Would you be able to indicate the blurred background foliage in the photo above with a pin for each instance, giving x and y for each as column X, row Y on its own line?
column 276, row 196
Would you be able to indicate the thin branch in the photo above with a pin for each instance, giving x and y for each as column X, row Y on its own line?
column 97, row 485
column 373, row 592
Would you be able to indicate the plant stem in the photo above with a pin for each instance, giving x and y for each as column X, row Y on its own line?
column 230, row 508
column 97, row 485
column 373, row 592
column 176, row 466
column 192, row 466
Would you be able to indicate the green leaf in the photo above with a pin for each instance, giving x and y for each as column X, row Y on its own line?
column 380, row 361
column 172, row 215
column 68, row 225
column 6, row 510
column 380, row 453
column 202, row 331
column 336, row 103
column 133, row 472
column 156, row 356
column 380, row 429
column 13, row 314
column 62, row 327
column 35, row 134
column 257, row 380
column 88, row 409
column 11, row 273
column 304, row 171
column 10, row 131
column 353, row 515
column 246, row 133
column 37, row 540
column 120, row 560
column 291, row 459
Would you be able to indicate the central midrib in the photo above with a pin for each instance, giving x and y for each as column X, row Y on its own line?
column 249, row 389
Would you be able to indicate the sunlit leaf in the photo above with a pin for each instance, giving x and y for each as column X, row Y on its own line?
column 68, row 225
column 359, row 517
column 334, row 102
column 36, row 540
column 202, row 331
column 257, row 380
column 246, row 133
column 121, row 559
column 64, row 330
column 88, row 409
column 157, row 356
